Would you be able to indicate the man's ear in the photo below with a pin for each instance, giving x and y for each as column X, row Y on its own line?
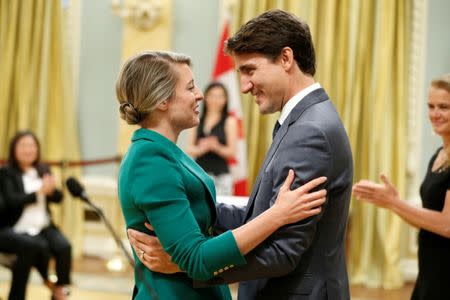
column 287, row 58
column 164, row 105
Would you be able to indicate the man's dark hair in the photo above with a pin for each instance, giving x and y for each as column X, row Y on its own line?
column 270, row 32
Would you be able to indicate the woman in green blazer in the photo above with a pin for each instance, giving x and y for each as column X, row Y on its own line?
column 158, row 183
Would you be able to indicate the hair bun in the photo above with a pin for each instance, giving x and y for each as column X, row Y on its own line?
column 129, row 113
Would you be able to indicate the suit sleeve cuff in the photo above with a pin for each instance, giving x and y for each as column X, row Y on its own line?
column 225, row 255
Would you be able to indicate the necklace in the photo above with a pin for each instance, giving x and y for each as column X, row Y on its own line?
column 445, row 162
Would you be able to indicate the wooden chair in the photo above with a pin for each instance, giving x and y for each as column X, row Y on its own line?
column 7, row 260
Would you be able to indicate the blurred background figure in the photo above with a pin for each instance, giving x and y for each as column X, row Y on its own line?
column 433, row 219
column 213, row 142
column 48, row 83
column 28, row 187
column 26, row 253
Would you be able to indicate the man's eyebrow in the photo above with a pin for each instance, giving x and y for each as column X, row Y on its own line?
column 244, row 68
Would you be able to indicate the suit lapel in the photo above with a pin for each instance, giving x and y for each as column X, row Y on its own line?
column 207, row 182
column 18, row 179
column 200, row 174
column 186, row 161
column 312, row 98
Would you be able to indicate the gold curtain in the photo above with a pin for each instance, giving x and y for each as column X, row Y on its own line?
column 362, row 50
column 36, row 91
column 259, row 127
column 134, row 41
column 376, row 120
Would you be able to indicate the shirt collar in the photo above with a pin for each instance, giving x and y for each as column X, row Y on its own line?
column 289, row 106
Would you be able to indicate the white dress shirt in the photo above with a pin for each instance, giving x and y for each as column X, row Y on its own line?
column 34, row 217
column 289, row 106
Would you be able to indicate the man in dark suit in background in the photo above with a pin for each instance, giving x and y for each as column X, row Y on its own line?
column 275, row 56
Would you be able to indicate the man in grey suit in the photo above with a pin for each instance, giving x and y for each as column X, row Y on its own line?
column 275, row 57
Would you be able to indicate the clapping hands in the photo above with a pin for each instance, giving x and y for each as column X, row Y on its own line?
column 382, row 195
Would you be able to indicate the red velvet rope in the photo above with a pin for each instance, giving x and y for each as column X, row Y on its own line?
column 79, row 163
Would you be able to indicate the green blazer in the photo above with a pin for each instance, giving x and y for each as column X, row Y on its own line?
column 160, row 184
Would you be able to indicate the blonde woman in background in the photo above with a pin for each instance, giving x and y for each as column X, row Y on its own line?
column 433, row 219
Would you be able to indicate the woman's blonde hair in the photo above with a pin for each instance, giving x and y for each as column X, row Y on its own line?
column 442, row 82
column 146, row 80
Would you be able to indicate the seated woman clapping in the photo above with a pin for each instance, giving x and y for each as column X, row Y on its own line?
column 28, row 187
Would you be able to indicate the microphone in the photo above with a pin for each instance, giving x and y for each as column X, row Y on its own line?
column 77, row 190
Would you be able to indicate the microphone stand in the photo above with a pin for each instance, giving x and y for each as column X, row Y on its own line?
column 119, row 243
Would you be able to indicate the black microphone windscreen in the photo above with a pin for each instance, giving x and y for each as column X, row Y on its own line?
column 75, row 188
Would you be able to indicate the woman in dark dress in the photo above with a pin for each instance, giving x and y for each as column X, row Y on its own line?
column 433, row 219
column 213, row 142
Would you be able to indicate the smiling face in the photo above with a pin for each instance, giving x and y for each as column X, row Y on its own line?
column 263, row 78
column 184, row 106
column 26, row 151
column 215, row 99
column 439, row 110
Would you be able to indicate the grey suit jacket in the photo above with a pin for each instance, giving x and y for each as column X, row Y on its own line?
column 305, row 260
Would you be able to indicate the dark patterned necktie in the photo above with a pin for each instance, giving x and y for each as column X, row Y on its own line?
column 275, row 129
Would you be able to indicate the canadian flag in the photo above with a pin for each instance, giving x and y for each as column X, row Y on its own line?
column 224, row 72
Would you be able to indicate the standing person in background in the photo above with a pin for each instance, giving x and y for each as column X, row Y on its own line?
column 213, row 142
column 28, row 187
column 160, row 184
column 433, row 218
